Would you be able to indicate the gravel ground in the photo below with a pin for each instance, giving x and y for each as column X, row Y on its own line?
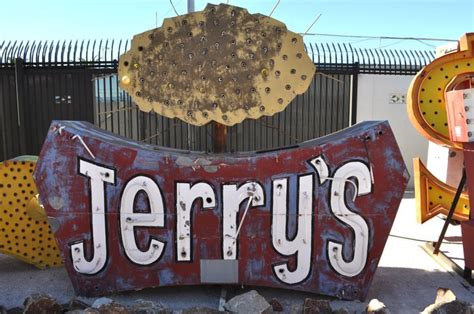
column 406, row 280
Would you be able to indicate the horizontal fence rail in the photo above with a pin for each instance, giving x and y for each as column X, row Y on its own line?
column 105, row 53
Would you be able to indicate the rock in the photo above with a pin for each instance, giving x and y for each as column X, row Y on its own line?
column 91, row 310
column 147, row 307
column 453, row 307
column 101, row 301
column 15, row 310
column 444, row 295
column 315, row 306
column 276, row 306
column 296, row 308
column 112, row 308
column 250, row 302
column 200, row 310
column 41, row 303
column 376, row 307
column 76, row 304
column 342, row 310
column 76, row 311
column 446, row 303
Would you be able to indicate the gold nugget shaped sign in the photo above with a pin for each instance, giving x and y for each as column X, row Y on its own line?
column 220, row 64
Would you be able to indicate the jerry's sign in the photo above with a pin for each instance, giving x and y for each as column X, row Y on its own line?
column 313, row 218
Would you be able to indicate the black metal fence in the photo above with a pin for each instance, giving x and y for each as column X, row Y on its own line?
column 77, row 80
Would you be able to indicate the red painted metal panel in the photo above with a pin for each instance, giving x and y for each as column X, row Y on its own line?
column 366, row 156
column 467, row 227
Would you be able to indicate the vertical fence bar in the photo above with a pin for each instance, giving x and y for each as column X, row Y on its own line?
column 355, row 81
column 20, row 110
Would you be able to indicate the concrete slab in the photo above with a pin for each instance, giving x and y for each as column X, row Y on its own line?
column 406, row 280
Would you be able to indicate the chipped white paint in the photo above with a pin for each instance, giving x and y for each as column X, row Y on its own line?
column 361, row 173
column 321, row 168
column 129, row 220
column 98, row 177
column 301, row 244
column 232, row 198
column 185, row 197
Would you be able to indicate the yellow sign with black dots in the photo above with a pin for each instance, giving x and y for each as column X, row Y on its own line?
column 434, row 197
column 24, row 229
column 426, row 104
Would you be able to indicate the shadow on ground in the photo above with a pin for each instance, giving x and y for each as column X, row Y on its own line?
column 403, row 290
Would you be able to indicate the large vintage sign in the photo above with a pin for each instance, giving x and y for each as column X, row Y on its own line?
column 313, row 217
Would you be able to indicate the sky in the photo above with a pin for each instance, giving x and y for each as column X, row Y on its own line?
column 120, row 19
